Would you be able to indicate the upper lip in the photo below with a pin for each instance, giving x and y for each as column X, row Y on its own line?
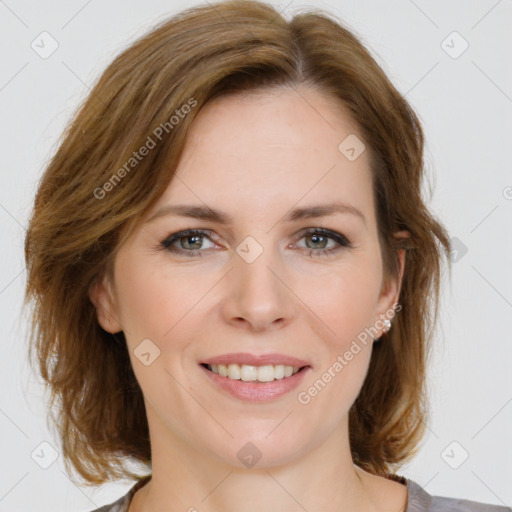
column 256, row 360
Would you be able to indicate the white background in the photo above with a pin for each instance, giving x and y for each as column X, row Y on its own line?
column 465, row 105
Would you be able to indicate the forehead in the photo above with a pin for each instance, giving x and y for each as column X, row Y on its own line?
column 260, row 153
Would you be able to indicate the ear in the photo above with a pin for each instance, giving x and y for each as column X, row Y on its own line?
column 101, row 295
column 390, row 290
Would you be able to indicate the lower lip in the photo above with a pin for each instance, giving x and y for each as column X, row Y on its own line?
column 257, row 391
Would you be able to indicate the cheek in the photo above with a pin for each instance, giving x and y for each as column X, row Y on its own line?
column 162, row 304
column 151, row 301
column 343, row 301
column 344, row 309
column 345, row 351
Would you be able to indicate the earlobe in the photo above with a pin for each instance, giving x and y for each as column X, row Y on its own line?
column 102, row 298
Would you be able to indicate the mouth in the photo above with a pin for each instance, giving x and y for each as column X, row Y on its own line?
column 252, row 373
column 255, row 383
column 255, row 377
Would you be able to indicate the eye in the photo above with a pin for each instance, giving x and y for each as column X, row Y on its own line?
column 190, row 242
column 319, row 240
column 188, row 239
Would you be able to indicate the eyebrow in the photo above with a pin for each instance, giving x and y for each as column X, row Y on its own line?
column 206, row 213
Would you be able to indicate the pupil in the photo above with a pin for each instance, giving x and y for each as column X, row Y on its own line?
column 316, row 237
column 191, row 237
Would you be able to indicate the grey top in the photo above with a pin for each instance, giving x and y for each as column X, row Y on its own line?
column 418, row 500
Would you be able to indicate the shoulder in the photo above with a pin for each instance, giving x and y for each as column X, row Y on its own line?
column 420, row 500
column 122, row 504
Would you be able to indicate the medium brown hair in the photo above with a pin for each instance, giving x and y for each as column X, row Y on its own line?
column 73, row 235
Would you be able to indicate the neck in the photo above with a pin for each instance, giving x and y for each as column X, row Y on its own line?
column 186, row 478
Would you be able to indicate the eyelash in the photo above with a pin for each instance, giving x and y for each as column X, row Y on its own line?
column 340, row 239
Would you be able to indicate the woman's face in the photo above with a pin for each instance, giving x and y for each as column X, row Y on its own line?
column 260, row 283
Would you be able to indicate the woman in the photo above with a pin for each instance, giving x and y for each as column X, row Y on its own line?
column 235, row 274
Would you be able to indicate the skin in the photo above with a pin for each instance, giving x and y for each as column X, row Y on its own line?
column 255, row 156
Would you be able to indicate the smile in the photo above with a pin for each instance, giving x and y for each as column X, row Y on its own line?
column 243, row 381
column 251, row 373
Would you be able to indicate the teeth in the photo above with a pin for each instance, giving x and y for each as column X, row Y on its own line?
column 250, row 373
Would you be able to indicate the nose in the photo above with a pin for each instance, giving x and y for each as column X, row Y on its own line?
column 258, row 296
